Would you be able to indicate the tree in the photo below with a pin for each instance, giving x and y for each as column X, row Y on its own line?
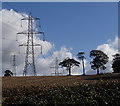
column 116, row 63
column 99, row 60
column 69, row 63
column 81, row 56
column 8, row 73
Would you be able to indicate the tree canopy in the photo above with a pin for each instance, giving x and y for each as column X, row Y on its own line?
column 81, row 56
column 116, row 63
column 99, row 60
column 69, row 63
column 8, row 73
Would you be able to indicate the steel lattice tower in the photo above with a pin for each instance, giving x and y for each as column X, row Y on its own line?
column 30, row 58
column 14, row 65
column 56, row 67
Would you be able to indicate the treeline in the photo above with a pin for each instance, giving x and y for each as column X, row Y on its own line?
column 99, row 60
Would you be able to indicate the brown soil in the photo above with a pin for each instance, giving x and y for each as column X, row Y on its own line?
column 47, row 81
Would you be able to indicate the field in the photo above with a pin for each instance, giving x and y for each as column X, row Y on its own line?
column 95, row 90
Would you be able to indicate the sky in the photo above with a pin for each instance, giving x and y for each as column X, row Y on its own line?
column 62, row 0
column 80, row 26
column 69, row 28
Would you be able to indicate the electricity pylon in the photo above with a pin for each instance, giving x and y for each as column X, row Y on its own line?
column 56, row 67
column 14, row 65
column 30, row 58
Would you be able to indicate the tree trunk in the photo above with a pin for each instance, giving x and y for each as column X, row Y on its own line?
column 97, row 71
column 69, row 71
column 83, row 67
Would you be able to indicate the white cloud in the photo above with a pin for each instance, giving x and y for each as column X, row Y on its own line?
column 119, row 44
column 45, row 63
column 110, row 49
column 11, row 24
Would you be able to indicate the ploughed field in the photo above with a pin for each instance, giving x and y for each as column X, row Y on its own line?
column 88, row 90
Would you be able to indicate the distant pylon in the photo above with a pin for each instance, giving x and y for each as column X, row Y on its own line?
column 14, row 65
column 30, row 58
column 56, row 67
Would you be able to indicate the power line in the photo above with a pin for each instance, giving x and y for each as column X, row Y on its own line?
column 30, row 58
column 30, row 45
column 56, row 67
column 14, row 64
